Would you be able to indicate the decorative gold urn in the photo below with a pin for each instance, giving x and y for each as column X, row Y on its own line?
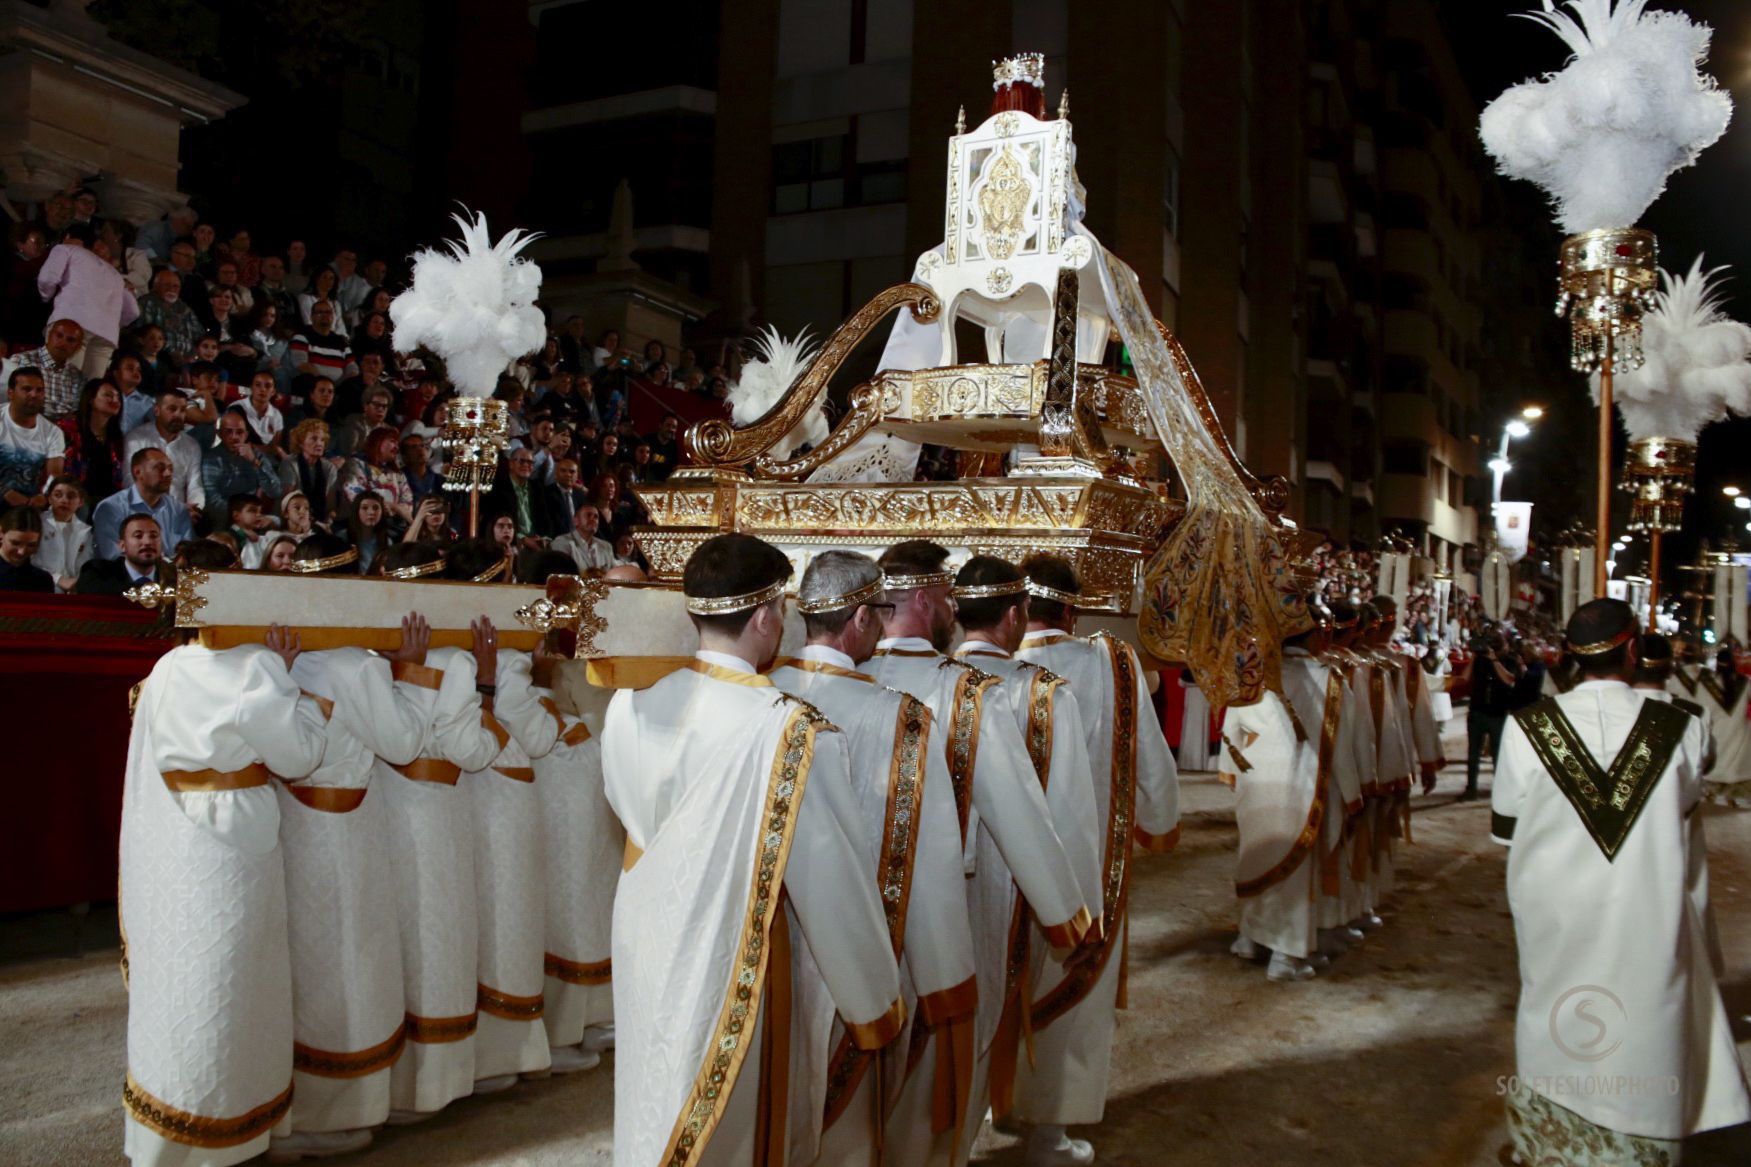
column 475, row 430
column 1608, row 279
column 1659, row 473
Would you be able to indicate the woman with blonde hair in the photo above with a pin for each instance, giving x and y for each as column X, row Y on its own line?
column 306, row 470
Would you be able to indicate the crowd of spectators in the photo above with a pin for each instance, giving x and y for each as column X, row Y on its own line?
column 174, row 385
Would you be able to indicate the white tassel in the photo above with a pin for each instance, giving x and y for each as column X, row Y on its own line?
column 473, row 305
column 776, row 365
column 1631, row 107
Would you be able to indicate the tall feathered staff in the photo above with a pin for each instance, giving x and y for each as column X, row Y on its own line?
column 473, row 305
column 1601, row 136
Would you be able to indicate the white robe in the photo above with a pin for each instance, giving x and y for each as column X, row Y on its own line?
column 431, row 835
column 1136, row 791
column 1311, row 684
column 1194, row 735
column 907, row 810
column 1359, row 892
column 582, row 843
column 347, row 1015
column 203, row 904
column 1614, row 945
column 1279, row 811
column 717, row 776
column 1730, row 728
column 1009, row 843
column 509, row 892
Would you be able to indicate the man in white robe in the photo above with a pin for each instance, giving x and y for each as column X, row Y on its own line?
column 1136, row 791
column 431, row 835
column 1725, row 693
column 1396, row 761
column 745, row 918
column 1356, row 876
column 1623, row 1047
column 1010, row 845
column 900, row 777
column 582, row 843
column 347, row 1015
column 203, row 901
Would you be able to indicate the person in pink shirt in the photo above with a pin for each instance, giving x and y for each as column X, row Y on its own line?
column 85, row 288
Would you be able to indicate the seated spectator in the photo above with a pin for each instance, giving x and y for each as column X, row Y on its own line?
column 539, row 437
column 278, row 557
column 151, row 495
column 655, row 353
column 659, row 375
column 272, row 346
column 373, row 337
column 320, row 290
column 295, row 517
column 587, row 549
column 564, row 494
column 137, row 558
column 165, row 431
column 504, row 533
column 638, row 470
column 297, row 266
column 318, row 405
column 265, row 423
column 210, row 554
column 157, row 238
column 515, row 396
column 320, row 350
column 377, row 470
column 272, row 289
column 21, row 529
column 225, row 278
column 249, row 527
column 429, row 425
column 415, row 405
column 431, row 523
column 607, row 350
column 517, row 495
column 368, row 528
column 165, row 308
column 628, row 510
column 31, row 447
column 87, row 290
column 239, row 249
column 25, row 317
column 56, row 359
column 665, row 447
column 307, row 470
column 350, row 394
column 160, row 371
column 205, row 239
column 204, row 392
column 627, row 553
column 605, row 497
column 373, row 414
column 234, row 467
column 236, row 356
column 138, row 401
column 93, row 438
column 66, row 542
column 416, row 466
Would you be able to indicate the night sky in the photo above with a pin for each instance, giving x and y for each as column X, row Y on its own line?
column 1704, row 210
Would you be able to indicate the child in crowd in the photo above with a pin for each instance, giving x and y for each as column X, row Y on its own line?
column 66, row 541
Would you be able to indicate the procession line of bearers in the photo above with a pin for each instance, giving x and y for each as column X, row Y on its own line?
column 1322, row 773
column 858, row 900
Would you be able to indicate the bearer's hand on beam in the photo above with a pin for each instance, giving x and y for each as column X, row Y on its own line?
column 486, row 652
column 416, row 638
column 283, row 643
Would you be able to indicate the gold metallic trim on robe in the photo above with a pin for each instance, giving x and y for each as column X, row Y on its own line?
column 491, row 724
column 728, row 1047
column 1116, row 857
column 195, row 1130
column 949, row 1004
column 963, row 741
column 1157, row 844
column 430, row 770
column 216, row 781
column 322, row 703
column 733, row 676
column 577, row 735
column 870, row 1036
column 1042, row 689
column 517, row 773
column 1069, row 933
column 1309, row 836
column 328, row 799
column 1608, row 802
column 440, row 1030
column 354, row 1064
column 412, row 674
column 572, row 972
column 1685, row 679
column 803, row 664
column 507, row 1005
column 1727, row 699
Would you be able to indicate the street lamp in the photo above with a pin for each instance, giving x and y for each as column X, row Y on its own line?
column 1730, row 491
column 1500, row 465
column 1532, row 412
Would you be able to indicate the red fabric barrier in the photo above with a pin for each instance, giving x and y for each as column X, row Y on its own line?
column 648, row 403
column 66, row 666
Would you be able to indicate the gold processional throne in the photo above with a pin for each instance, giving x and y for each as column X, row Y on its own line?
column 1088, row 474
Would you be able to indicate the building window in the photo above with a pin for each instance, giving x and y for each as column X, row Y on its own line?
column 1170, row 192
column 819, row 174
column 1405, row 458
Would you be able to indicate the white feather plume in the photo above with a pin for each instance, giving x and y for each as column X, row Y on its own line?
column 776, row 364
column 1631, row 107
column 472, row 304
column 1698, row 362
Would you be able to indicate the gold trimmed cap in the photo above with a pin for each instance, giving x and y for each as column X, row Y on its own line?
column 315, row 566
column 1034, row 588
column 851, row 599
column 418, row 570
column 991, row 590
column 929, row 579
column 1601, row 647
column 723, row 605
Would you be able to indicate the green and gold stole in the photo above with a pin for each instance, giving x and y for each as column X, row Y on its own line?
column 1609, row 802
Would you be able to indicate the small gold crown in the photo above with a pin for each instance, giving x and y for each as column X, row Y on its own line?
column 1023, row 68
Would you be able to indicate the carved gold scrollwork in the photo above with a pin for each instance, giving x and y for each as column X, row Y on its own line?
column 865, row 411
column 719, row 443
column 1272, row 494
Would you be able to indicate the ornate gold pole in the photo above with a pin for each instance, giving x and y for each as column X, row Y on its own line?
column 1654, row 579
column 1602, row 511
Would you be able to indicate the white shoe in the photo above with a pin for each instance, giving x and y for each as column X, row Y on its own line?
column 1288, row 968
column 1049, row 1146
column 1332, row 942
column 569, row 1059
column 316, row 1145
column 1247, row 949
column 408, row 1117
column 1320, row 961
column 1368, row 922
column 1351, row 935
column 599, row 1038
column 495, row 1083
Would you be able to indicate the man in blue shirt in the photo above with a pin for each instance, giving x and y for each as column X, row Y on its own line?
column 150, row 495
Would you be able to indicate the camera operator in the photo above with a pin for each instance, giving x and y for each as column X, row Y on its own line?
column 1494, row 672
